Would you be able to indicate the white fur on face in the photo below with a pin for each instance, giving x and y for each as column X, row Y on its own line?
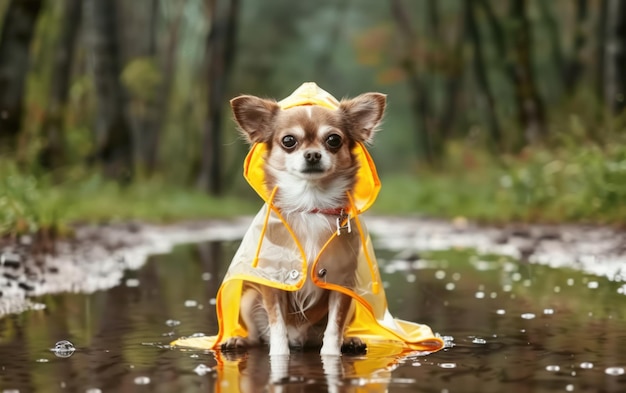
column 295, row 163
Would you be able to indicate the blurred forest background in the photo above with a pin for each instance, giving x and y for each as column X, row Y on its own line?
column 497, row 110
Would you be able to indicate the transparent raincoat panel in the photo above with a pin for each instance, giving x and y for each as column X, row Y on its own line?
column 346, row 263
column 280, row 260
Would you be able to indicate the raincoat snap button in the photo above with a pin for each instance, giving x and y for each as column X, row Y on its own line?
column 294, row 274
column 321, row 273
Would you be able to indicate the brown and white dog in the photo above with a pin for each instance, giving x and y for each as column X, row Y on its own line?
column 310, row 161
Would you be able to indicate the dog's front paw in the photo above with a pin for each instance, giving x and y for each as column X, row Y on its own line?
column 353, row 346
column 236, row 343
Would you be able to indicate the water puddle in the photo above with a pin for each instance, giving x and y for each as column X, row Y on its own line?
column 511, row 326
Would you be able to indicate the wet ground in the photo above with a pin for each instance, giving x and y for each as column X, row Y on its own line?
column 519, row 316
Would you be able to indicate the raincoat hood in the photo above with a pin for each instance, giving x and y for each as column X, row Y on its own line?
column 271, row 254
column 367, row 184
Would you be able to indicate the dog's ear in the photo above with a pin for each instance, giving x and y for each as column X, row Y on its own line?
column 254, row 116
column 363, row 114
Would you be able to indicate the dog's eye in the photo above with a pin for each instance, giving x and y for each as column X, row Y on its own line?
column 289, row 141
column 333, row 141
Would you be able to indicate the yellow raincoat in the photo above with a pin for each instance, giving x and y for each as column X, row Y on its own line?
column 271, row 254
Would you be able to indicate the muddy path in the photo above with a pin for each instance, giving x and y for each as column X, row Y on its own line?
column 97, row 257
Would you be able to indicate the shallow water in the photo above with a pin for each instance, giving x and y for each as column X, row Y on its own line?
column 513, row 326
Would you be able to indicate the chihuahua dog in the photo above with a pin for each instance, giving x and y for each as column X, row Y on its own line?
column 310, row 163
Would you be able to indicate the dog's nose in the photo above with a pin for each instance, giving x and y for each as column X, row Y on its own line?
column 312, row 156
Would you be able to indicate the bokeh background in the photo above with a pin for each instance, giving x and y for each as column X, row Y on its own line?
column 497, row 110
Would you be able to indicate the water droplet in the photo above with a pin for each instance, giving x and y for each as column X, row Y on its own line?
column 456, row 276
column 93, row 390
column 528, row 315
column 479, row 341
column 416, row 364
column 569, row 388
column 206, row 276
column 570, row 282
column 592, row 285
column 63, row 349
column 527, row 283
column 500, row 311
column 191, row 303
column 172, row 322
column 440, row 274
column 557, row 289
column 142, row 380
column 447, row 365
column 516, row 276
column 450, row 286
column 132, row 283
column 493, row 295
column 614, row 371
column 213, row 301
column 194, row 356
column 197, row 335
column 507, row 288
column 548, row 311
column 448, row 341
column 553, row 368
column 479, row 295
column 42, row 360
column 202, row 369
column 411, row 277
column 586, row 365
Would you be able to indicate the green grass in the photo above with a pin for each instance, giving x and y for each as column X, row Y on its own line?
column 29, row 204
column 584, row 183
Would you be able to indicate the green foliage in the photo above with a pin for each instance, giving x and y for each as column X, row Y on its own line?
column 142, row 78
column 19, row 201
column 31, row 204
column 584, row 183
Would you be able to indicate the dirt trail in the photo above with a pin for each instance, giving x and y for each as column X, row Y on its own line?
column 98, row 255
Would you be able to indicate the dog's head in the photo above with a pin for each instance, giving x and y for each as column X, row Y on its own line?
column 310, row 147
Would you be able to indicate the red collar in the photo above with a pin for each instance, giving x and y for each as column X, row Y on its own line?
column 338, row 211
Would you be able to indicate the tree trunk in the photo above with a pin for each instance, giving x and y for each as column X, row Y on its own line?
column 417, row 87
column 52, row 154
column 139, row 56
column 168, row 70
column 113, row 139
column 614, row 73
column 529, row 105
column 220, row 55
column 553, row 36
column 16, row 36
column 487, row 100
column 455, row 66
column 574, row 65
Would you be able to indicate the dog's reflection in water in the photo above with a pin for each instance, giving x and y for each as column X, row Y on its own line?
column 256, row 371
